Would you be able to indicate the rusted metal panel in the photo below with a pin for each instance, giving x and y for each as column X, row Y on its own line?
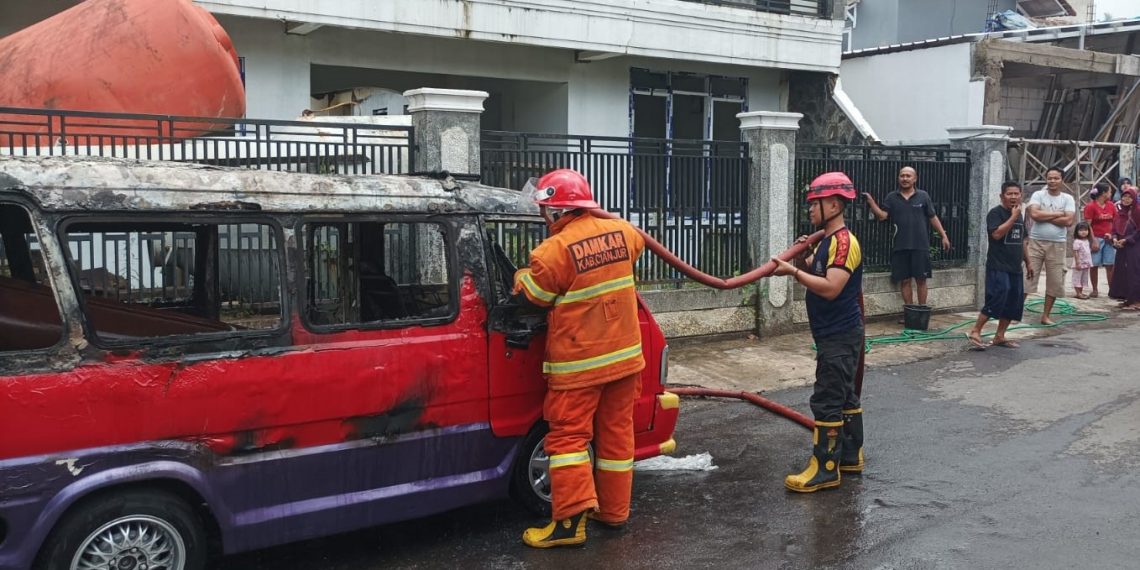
column 86, row 183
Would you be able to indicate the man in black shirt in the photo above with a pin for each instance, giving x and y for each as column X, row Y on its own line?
column 912, row 213
column 1005, row 298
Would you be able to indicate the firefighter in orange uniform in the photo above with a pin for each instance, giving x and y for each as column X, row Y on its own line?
column 593, row 361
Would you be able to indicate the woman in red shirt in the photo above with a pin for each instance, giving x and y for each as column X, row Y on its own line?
column 1099, row 213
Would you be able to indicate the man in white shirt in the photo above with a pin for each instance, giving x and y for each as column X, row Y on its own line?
column 1051, row 211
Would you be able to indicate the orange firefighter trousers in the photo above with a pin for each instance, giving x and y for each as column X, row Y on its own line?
column 602, row 413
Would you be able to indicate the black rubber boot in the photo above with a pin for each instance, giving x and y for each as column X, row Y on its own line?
column 851, row 460
column 823, row 468
column 566, row 532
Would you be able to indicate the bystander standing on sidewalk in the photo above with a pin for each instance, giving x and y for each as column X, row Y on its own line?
column 1005, row 300
column 1050, row 212
column 1126, row 238
column 1099, row 213
column 912, row 213
column 1082, row 258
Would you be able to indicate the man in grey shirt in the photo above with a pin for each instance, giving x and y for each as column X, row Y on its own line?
column 1050, row 212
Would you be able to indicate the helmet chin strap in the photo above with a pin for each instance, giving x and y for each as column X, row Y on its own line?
column 824, row 221
column 552, row 215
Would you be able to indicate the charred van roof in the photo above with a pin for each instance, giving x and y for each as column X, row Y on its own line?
column 108, row 184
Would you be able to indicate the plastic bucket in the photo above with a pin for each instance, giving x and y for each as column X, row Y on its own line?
column 916, row 317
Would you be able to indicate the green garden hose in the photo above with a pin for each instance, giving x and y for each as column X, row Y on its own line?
column 1066, row 311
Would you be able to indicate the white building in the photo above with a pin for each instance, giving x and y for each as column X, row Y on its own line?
column 659, row 68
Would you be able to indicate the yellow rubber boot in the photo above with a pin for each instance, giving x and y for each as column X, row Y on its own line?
column 851, row 458
column 823, row 468
column 566, row 532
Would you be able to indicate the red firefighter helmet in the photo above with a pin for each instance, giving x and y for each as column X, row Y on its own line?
column 831, row 184
column 563, row 188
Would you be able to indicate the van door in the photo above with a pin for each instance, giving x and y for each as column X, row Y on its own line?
column 517, row 331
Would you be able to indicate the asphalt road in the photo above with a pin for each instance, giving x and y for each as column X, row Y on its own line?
column 998, row 459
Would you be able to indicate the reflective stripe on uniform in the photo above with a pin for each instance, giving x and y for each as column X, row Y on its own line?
column 596, row 290
column 568, row 459
column 614, row 464
column 592, row 363
column 536, row 291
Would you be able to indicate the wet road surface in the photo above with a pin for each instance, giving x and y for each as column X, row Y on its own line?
column 998, row 459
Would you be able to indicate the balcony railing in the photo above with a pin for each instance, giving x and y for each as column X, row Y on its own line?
column 812, row 8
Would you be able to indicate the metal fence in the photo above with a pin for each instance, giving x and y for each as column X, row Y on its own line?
column 814, row 8
column 689, row 195
column 298, row 146
column 943, row 173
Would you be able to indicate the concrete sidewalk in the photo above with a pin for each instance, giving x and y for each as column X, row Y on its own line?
column 787, row 361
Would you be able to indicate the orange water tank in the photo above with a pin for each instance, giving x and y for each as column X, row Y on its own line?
column 167, row 57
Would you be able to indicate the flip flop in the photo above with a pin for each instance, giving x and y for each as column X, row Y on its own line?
column 1006, row 343
column 975, row 344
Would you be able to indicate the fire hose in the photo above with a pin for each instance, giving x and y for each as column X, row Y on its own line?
column 766, row 269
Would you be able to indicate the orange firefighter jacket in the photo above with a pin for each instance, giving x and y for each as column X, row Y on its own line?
column 585, row 272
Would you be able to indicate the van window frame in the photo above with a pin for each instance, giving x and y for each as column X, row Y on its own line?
column 490, row 252
column 190, row 342
column 454, row 270
column 35, row 360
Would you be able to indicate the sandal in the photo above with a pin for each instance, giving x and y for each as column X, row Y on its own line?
column 1082, row 296
column 975, row 341
column 1006, row 343
column 1094, row 295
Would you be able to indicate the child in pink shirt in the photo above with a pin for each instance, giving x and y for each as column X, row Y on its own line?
column 1082, row 258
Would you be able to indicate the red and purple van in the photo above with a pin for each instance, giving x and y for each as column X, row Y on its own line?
column 198, row 361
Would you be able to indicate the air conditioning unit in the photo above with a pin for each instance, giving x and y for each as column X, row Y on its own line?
column 1045, row 8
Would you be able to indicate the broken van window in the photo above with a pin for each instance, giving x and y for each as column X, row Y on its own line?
column 142, row 279
column 29, row 314
column 511, row 244
column 371, row 272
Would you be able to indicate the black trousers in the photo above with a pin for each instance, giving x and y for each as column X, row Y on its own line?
column 836, row 358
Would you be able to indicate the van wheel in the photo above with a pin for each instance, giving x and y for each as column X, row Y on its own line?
column 131, row 530
column 530, row 478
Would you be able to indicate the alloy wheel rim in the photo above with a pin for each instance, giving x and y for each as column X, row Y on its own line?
column 136, row 542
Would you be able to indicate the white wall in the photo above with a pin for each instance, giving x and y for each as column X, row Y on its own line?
column 672, row 29
column 914, row 96
column 563, row 95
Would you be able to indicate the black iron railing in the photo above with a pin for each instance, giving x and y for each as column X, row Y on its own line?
column 690, row 195
column 813, row 8
column 943, row 173
column 299, row 146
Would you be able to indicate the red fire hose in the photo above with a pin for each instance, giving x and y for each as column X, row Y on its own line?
column 761, row 272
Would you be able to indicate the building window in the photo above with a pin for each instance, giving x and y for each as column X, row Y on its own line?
column 679, row 105
column 375, row 272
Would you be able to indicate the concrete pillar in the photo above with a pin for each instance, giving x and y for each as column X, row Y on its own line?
column 1129, row 163
column 771, row 214
column 446, row 123
column 987, row 145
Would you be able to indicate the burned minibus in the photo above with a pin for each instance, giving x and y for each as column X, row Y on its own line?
column 195, row 356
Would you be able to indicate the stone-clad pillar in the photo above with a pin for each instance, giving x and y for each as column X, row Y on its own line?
column 446, row 123
column 771, row 139
column 987, row 145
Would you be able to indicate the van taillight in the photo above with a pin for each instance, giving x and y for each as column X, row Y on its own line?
column 664, row 375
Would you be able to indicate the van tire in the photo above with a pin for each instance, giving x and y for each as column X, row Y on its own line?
column 157, row 510
column 522, row 488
